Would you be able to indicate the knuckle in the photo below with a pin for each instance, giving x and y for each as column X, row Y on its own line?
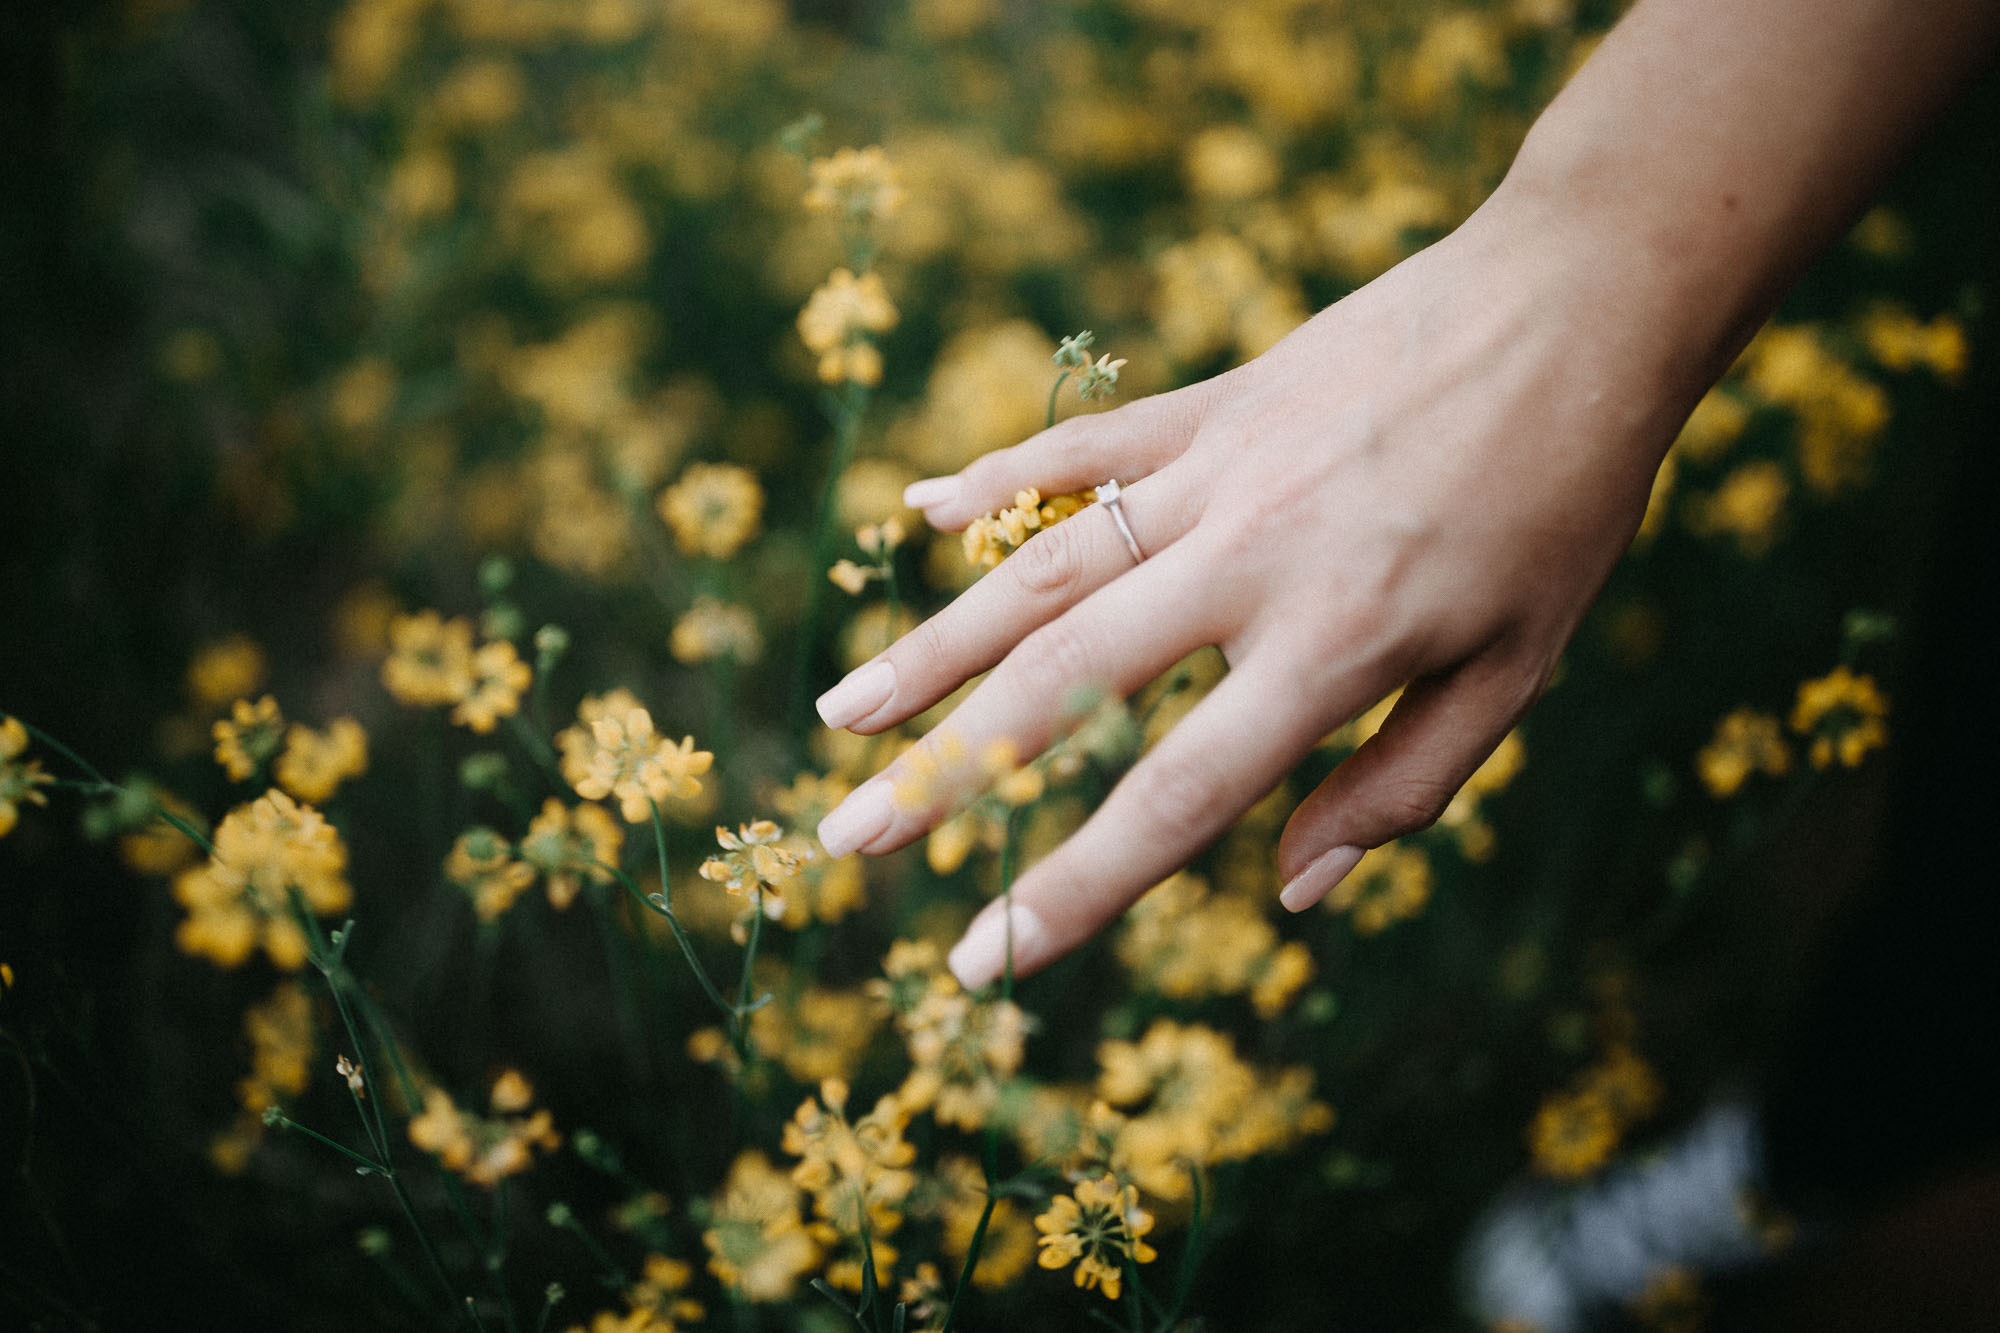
column 922, row 659
column 1406, row 804
column 1180, row 796
column 1061, row 651
column 1051, row 564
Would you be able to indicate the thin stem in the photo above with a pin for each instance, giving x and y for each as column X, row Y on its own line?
column 1053, row 390
column 538, row 749
column 367, row 1164
column 971, row 1259
column 1007, row 857
column 614, row 1274
column 1190, row 1257
column 749, row 961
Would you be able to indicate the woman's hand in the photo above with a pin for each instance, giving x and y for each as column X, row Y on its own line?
column 1426, row 484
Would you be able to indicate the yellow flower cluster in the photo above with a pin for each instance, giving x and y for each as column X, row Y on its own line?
column 1188, row 1100
column 20, row 779
column 653, row 1304
column 1576, row 1131
column 713, row 628
column 280, row 1032
column 485, row 1149
column 857, row 184
column 959, row 1197
column 1841, row 414
column 432, row 663
column 757, row 1239
column 858, row 1175
column 1099, row 1227
column 992, row 538
column 962, row 1050
column 754, row 865
column 1845, row 716
column 315, row 763
column 1390, row 884
column 249, row 737
column 614, row 751
column 1185, row 943
column 569, row 846
column 482, row 863
column 713, row 510
column 1746, row 741
column 839, row 323
column 243, row 896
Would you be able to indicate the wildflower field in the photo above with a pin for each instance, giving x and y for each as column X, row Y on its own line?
column 454, row 441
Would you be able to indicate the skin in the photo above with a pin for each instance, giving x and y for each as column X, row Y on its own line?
column 1426, row 483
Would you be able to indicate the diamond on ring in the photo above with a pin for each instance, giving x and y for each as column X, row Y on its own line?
column 1112, row 496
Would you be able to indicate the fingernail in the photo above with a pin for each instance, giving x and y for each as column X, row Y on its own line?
column 981, row 956
column 860, row 819
column 1317, row 880
column 931, row 492
column 860, row 694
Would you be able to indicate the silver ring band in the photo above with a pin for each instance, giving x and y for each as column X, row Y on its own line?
column 1112, row 496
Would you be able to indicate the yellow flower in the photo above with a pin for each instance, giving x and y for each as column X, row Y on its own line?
column 713, row 509
column 498, row 678
column 248, row 737
column 1844, row 714
column 992, row 538
column 485, row 1149
column 430, row 660
column 157, row 847
column 569, row 846
column 1900, row 341
column 1390, row 884
column 1748, row 506
column 615, row 752
column 850, row 578
column 757, row 1241
column 962, row 1050
column 754, row 861
column 1746, row 741
column 713, row 628
column 242, row 897
column 1573, row 1134
column 858, row 184
column 483, row 865
column 315, row 763
column 19, row 778
column 1098, row 1227
column 224, row 670
column 817, row 1033
column 280, row 1032
column 1181, row 942
column 857, row 1173
column 838, row 321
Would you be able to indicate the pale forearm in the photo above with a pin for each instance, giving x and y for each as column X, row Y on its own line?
column 1711, row 148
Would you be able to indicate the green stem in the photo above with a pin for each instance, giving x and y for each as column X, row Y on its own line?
column 1007, row 858
column 1190, row 1257
column 624, row 988
column 1054, row 389
column 538, row 749
column 614, row 1273
column 971, row 1259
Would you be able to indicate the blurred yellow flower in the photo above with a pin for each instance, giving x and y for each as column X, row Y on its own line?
column 1899, row 341
column 315, row 763
column 1573, row 1134
column 225, row 670
column 1745, row 742
column 430, row 660
column 568, row 846
column 19, row 778
column 858, row 184
column 242, row 896
column 713, row 509
column 713, row 628
column 757, row 1241
column 1844, row 714
column 1390, row 884
column 485, row 1150
column 838, row 321
column 498, row 676
column 1748, row 506
column 249, row 737
column 482, row 863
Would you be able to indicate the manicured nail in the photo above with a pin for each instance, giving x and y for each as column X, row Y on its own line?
column 1317, row 880
column 931, row 492
column 860, row 819
column 981, row 956
column 860, row 694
